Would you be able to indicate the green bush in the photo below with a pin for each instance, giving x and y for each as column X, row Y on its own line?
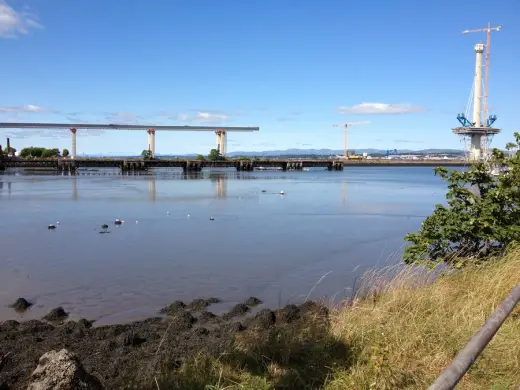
column 214, row 155
column 39, row 152
column 146, row 154
column 482, row 216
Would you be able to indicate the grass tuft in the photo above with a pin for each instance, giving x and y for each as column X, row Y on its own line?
column 409, row 326
column 403, row 328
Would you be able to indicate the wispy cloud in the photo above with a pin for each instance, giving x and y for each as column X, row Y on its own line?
column 122, row 117
column 14, row 23
column 407, row 141
column 204, row 117
column 380, row 109
column 27, row 108
column 50, row 133
column 30, row 133
column 284, row 119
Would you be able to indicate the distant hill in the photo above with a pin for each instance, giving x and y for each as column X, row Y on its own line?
column 310, row 152
column 329, row 152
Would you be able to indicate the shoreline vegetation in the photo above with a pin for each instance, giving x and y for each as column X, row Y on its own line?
column 403, row 327
column 400, row 332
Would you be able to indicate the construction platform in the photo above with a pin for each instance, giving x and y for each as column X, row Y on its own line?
column 476, row 130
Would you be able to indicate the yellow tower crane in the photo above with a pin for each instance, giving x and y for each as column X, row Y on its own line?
column 346, row 126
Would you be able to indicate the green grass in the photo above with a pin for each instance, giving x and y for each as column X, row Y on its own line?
column 400, row 335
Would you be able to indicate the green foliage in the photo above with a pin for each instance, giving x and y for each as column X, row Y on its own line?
column 214, row 155
column 146, row 154
column 47, row 153
column 9, row 151
column 482, row 216
column 39, row 152
column 65, row 153
column 200, row 157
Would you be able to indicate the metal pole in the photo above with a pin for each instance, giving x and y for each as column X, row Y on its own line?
column 345, row 154
column 465, row 359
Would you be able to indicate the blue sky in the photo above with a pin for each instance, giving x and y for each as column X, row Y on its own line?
column 285, row 66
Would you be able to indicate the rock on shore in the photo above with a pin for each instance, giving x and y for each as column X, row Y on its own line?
column 62, row 371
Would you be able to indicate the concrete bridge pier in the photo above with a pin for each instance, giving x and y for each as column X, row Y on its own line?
column 192, row 166
column 66, row 166
column 151, row 141
column 73, row 151
column 335, row 166
column 245, row 166
column 221, row 142
column 133, row 166
column 294, row 165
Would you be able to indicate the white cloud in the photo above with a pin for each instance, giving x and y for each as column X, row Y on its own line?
column 380, row 109
column 27, row 108
column 50, row 133
column 204, row 117
column 14, row 23
column 122, row 117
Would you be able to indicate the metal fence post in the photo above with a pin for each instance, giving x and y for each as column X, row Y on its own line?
column 463, row 361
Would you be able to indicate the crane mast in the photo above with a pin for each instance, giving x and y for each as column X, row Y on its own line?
column 487, row 30
column 346, row 126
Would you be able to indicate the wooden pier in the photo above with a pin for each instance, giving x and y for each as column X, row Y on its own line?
column 71, row 165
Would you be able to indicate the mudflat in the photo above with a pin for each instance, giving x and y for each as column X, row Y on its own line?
column 146, row 353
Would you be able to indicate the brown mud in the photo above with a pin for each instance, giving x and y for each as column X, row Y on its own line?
column 145, row 354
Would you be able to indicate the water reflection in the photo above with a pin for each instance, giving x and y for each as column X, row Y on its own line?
column 74, row 181
column 220, row 185
column 9, row 185
column 259, row 244
column 152, row 189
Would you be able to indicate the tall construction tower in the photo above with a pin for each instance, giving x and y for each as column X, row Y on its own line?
column 478, row 131
column 346, row 126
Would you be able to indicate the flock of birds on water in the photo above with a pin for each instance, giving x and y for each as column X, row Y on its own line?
column 119, row 222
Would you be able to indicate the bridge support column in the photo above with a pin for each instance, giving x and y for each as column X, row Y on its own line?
column 192, row 166
column 335, row 166
column 151, row 141
column 73, row 151
column 221, row 142
column 245, row 166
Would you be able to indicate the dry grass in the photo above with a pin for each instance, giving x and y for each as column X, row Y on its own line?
column 404, row 329
column 408, row 328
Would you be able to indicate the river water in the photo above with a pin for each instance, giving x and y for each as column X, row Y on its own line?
column 259, row 243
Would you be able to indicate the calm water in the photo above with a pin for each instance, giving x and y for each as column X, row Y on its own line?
column 260, row 243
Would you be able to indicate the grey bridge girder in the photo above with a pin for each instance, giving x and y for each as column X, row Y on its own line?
column 109, row 126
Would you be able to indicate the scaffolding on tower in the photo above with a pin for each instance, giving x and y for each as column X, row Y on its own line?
column 478, row 133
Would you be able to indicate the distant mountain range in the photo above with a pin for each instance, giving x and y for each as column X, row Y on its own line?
column 328, row 152
column 314, row 152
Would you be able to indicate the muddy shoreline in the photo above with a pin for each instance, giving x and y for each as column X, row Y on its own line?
column 136, row 354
